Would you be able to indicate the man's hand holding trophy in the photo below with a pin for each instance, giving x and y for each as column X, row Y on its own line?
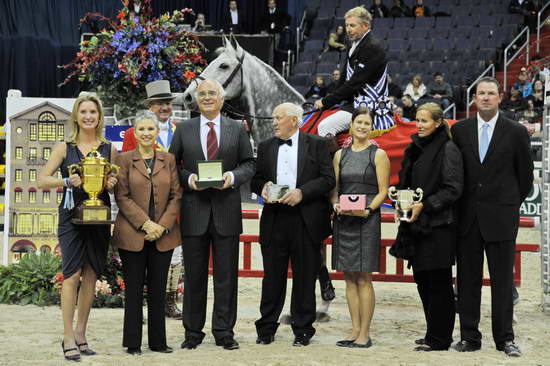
column 406, row 200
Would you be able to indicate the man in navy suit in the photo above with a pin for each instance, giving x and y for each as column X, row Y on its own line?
column 211, row 218
column 498, row 175
column 294, row 227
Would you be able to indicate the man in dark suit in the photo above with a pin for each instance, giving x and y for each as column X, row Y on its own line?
column 498, row 175
column 233, row 20
column 274, row 21
column 211, row 218
column 294, row 227
column 363, row 78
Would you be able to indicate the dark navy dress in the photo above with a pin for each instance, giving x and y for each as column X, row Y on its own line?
column 82, row 244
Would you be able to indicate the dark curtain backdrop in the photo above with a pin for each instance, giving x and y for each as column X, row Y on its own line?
column 38, row 35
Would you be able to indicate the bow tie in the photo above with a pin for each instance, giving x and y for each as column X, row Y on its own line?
column 288, row 142
column 163, row 126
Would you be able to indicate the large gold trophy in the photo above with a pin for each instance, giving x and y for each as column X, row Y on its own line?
column 94, row 170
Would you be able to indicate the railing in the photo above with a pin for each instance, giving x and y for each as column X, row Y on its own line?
column 397, row 275
column 451, row 107
column 541, row 24
column 468, row 91
column 518, row 50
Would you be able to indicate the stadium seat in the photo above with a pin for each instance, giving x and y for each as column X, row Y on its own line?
column 326, row 68
column 443, row 22
column 418, row 33
column 380, row 33
column 330, row 57
column 406, row 23
column 304, row 68
column 424, row 22
column 398, row 33
column 382, row 23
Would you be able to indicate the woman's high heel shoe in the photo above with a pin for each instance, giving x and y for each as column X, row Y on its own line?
column 86, row 352
column 75, row 358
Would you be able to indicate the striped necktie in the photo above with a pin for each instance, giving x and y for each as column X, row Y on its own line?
column 211, row 142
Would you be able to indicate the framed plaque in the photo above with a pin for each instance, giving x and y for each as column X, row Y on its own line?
column 276, row 191
column 210, row 173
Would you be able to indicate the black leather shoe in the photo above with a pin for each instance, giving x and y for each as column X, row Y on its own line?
column 75, row 358
column 87, row 351
column 136, row 351
column 510, row 348
column 228, row 343
column 420, row 341
column 345, row 342
column 190, row 343
column 467, row 346
column 265, row 339
column 164, row 349
column 359, row 345
column 301, row 341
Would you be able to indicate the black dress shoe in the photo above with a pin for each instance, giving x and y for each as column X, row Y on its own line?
column 163, row 349
column 420, row 341
column 345, row 342
column 467, row 346
column 190, row 343
column 87, row 351
column 136, row 351
column 265, row 339
column 359, row 345
column 510, row 348
column 228, row 343
column 75, row 358
column 301, row 341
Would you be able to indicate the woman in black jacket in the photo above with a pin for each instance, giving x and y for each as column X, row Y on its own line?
column 434, row 163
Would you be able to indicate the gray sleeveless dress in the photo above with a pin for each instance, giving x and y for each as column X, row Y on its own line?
column 356, row 240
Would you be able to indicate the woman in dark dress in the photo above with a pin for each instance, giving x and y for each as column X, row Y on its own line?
column 83, row 247
column 433, row 163
column 361, row 168
column 146, row 233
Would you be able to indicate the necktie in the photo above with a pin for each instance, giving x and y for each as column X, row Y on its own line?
column 282, row 142
column 211, row 142
column 484, row 141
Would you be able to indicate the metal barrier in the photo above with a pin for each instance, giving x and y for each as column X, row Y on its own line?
column 398, row 275
column 453, row 107
column 541, row 24
column 519, row 49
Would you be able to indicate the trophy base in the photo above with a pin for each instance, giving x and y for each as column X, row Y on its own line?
column 92, row 215
column 209, row 183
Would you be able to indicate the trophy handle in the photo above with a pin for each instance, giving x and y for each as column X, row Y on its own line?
column 75, row 169
column 392, row 193
column 114, row 169
column 419, row 194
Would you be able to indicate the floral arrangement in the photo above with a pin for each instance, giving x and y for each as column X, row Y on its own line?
column 135, row 51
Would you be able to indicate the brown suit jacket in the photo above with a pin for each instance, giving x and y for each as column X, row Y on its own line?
column 132, row 195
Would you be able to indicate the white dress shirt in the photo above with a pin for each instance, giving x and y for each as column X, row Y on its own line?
column 492, row 122
column 163, row 131
column 287, row 162
column 234, row 16
column 205, row 129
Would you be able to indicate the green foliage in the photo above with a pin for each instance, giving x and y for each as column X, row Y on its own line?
column 30, row 280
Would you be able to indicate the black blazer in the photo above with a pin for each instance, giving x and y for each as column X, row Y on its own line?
column 493, row 191
column 368, row 62
column 279, row 17
column 315, row 178
column 223, row 205
column 228, row 26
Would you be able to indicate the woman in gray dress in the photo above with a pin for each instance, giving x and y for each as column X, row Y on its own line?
column 361, row 169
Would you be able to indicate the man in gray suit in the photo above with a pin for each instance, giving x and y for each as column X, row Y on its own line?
column 211, row 218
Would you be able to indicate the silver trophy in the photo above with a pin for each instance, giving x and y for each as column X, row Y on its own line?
column 404, row 199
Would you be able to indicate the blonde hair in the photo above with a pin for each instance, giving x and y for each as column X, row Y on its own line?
column 75, row 129
column 436, row 113
column 362, row 14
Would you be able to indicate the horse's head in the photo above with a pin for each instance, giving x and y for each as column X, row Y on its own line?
column 226, row 69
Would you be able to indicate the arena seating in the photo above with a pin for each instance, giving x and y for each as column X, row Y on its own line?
column 460, row 45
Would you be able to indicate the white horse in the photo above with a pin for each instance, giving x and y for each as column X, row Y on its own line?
column 252, row 86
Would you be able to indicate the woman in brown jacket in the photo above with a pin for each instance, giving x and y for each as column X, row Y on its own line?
column 148, row 196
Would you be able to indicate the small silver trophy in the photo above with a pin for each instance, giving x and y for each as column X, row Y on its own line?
column 404, row 199
column 275, row 192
